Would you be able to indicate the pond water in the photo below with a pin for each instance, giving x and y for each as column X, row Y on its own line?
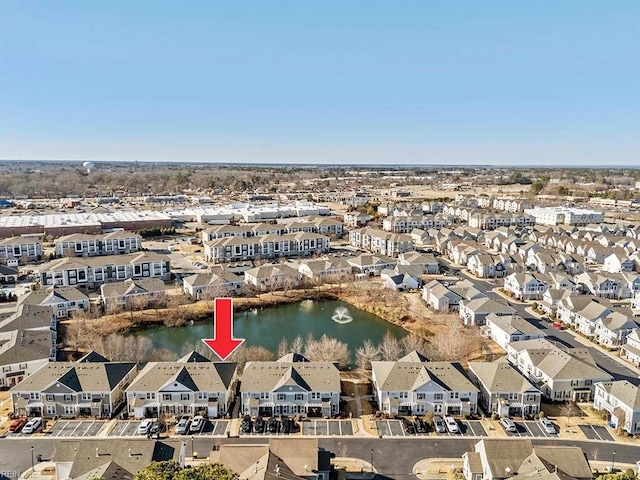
column 266, row 327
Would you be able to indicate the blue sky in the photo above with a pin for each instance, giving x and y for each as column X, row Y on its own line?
column 459, row 82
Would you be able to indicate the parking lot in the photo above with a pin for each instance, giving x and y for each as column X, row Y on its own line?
column 277, row 428
column 76, row 428
column 128, row 428
column 327, row 427
column 596, row 432
column 528, row 429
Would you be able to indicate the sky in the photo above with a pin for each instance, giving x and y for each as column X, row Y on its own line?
column 427, row 82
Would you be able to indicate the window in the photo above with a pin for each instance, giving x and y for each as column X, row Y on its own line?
column 51, row 409
column 68, row 410
column 264, row 396
column 34, row 396
column 184, row 396
column 202, row 395
column 513, row 396
column 420, row 396
column 6, row 369
column 50, row 397
column 86, row 396
column 298, row 397
column 22, row 366
column 82, row 275
column 282, row 397
column 151, row 396
column 166, row 396
column 67, row 397
column 403, row 395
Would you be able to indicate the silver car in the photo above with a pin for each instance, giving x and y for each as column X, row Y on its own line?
column 547, row 426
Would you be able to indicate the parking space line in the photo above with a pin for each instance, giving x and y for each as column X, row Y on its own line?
column 471, row 428
column 526, row 427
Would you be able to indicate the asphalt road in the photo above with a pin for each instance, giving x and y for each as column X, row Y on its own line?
column 618, row 370
column 392, row 457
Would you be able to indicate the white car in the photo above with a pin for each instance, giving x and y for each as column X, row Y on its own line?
column 32, row 425
column 451, row 424
column 508, row 425
column 145, row 427
column 197, row 423
column 547, row 426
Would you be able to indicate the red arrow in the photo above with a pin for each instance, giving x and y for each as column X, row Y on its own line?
column 223, row 343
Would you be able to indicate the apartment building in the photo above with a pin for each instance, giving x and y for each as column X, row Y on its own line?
column 94, row 271
column 20, row 250
column 234, row 249
column 83, row 245
column 374, row 240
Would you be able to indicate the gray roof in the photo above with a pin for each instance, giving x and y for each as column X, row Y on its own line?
column 43, row 296
column 79, row 377
column 93, row 262
column 626, row 392
column 488, row 305
column 508, row 457
column 408, row 376
column 513, row 324
column 18, row 346
column 310, row 376
column 500, row 376
column 28, row 317
column 196, row 376
column 212, row 278
column 129, row 454
column 558, row 363
column 132, row 287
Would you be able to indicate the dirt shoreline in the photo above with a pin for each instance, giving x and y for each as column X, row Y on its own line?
column 398, row 312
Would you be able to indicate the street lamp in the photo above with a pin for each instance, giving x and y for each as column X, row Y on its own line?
column 371, row 460
column 33, row 468
column 192, row 446
column 613, row 462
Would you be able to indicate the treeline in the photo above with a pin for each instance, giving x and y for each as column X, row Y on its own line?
column 455, row 345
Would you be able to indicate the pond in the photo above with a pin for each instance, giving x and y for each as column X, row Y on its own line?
column 266, row 327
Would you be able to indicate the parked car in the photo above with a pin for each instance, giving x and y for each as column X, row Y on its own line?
column 547, row 426
column 32, row 425
column 286, row 424
column 508, row 425
column 197, row 424
column 258, row 425
column 557, row 326
column 183, row 426
column 17, row 424
column 245, row 424
column 272, row 426
column 145, row 427
column 156, row 427
column 452, row 425
column 439, row 425
column 421, row 425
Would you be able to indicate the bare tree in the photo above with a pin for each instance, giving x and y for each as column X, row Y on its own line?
column 178, row 310
column 327, row 349
column 452, row 345
column 136, row 303
column 297, row 344
column 390, row 347
column 366, row 354
column 120, row 348
column 283, row 347
column 569, row 410
column 413, row 342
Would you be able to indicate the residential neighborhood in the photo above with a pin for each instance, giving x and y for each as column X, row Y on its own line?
column 552, row 306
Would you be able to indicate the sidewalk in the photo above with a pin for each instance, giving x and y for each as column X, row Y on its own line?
column 436, row 468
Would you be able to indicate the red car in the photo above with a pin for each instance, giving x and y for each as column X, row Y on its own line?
column 17, row 424
column 557, row 325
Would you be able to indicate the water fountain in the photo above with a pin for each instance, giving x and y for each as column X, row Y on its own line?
column 341, row 315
